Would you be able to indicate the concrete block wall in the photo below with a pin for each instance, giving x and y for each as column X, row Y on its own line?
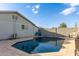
column 58, row 31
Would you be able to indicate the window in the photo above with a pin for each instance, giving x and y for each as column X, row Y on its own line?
column 14, row 17
column 22, row 26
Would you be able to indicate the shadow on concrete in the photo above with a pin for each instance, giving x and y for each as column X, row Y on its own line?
column 45, row 32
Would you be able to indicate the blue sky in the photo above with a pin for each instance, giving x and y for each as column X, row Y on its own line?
column 47, row 15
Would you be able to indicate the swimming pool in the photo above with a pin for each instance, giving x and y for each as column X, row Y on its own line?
column 38, row 46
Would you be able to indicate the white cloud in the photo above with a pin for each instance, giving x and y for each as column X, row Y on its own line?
column 37, row 6
column 72, row 8
column 35, row 9
column 73, row 4
column 68, row 11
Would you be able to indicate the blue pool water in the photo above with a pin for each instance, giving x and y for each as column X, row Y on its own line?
column 45, row 47
column 33, row 46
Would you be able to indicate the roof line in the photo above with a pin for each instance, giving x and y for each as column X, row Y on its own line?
column 7, row 11
column 26, row 18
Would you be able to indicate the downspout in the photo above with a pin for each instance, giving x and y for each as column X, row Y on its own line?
column 14, row 28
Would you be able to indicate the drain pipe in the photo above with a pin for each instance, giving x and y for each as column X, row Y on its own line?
column 14, row 26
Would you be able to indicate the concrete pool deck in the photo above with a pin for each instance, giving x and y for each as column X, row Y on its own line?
column 7, row 50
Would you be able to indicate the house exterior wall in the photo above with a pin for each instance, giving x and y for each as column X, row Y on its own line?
column 9, row 26
column 29, row 28
column 6, row 26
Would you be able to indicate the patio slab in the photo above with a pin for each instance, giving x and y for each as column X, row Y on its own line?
column 7, row 50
